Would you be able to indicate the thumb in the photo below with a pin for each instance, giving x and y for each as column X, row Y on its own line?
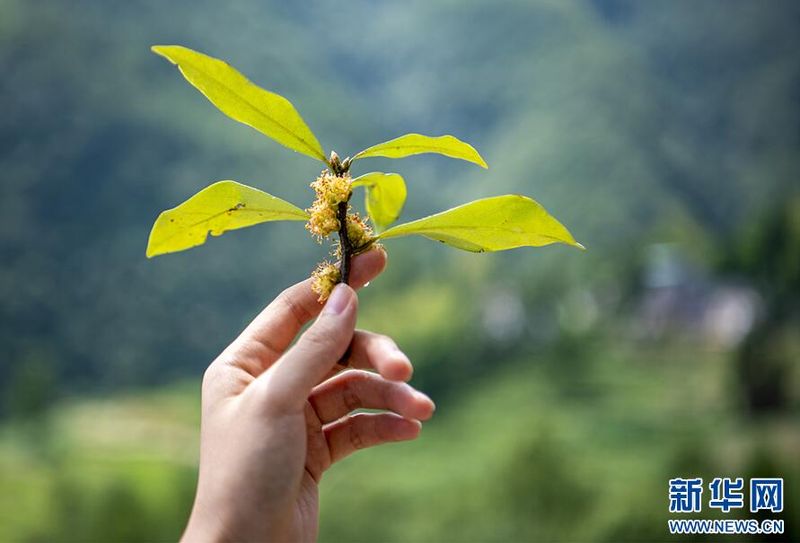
column 316, row 352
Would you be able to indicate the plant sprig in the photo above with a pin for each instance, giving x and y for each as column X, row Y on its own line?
column 491, row 224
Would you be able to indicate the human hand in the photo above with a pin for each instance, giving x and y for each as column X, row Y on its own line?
column 275, row 417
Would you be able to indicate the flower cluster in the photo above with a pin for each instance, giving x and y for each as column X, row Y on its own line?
column 334, row 191
column 326, row 276
column 331, row 190
column 358, row 231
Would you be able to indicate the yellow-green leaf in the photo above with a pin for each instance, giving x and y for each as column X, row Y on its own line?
column 223, row 206
column 384, row 198
column 238, row 98
column 491, row 224
column 415, row 144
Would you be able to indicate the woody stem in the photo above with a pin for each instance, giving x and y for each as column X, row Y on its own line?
column 341, row 168
column 344, row 242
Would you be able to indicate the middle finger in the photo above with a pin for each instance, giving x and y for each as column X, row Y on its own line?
column 369, row 350
column 357, row 389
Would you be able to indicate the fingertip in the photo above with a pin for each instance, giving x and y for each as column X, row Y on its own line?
column 406, row 429
column 340, row 300
column 397, row 368
column 367, row 266
column 426, row 405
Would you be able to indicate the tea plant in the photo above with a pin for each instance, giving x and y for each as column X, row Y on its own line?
column 490, row 224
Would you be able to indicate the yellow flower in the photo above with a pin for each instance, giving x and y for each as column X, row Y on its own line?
column 323, row 221
column 326, row 276
column 358, row 231
column 331, row 190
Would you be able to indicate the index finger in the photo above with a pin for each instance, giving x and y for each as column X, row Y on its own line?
column 280, row 322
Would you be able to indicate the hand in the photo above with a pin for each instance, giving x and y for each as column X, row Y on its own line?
column 275, row 417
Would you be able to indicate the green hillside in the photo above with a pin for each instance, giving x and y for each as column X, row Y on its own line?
column 518, row 456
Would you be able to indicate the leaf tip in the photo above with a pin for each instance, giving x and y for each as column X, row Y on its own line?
column 152, row 243
column 161, row 50
column 152, row 250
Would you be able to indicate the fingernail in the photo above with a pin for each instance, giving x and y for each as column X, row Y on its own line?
column 338, row 300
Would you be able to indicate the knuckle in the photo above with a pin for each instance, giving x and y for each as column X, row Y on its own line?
column 210, row 376
column 356, row 377
column 317, row 338
column 357, row 435
column 326, row 334
column 350, row 396
column 299, row 312
column 390, row 393
column 269, row 398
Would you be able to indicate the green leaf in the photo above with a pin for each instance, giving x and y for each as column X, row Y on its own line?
column 416, row 144
column 223, row 206
column 384, row 198
column 238, row 98
column 491, row 224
